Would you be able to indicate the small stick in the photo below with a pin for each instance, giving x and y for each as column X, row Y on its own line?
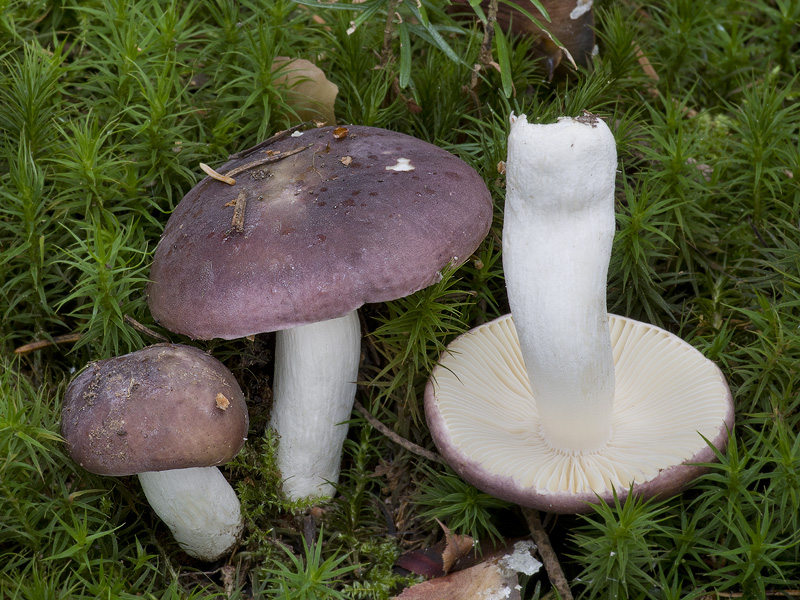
column 644, row 63
column 214, row 175
column 756, row 232
column 310, row 530
column 239, row 205
column 265, row 160
column 143, row 329
column 388, row 29
column 267, row 142
column 549, row 558
column 391, row 528
column 410, row 446
column 68, row 338
column 485, row 54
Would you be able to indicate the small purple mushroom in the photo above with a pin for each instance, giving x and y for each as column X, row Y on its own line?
column 170, row 414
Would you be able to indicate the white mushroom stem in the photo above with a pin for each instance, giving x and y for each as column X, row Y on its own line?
column 316, row 367
column 199, row 506
column 557, row 236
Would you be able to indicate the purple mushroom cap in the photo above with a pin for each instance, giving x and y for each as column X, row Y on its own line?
column 354, row 215
column 164, row 407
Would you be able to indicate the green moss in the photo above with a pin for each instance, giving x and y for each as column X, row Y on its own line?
column 109, row 106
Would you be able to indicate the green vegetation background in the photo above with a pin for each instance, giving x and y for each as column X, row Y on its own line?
column 106, row 109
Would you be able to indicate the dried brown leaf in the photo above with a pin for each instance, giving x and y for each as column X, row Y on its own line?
column 484, row 580
column 425, row 561
column 494, row 579
column 457, row 546
column 309, row 92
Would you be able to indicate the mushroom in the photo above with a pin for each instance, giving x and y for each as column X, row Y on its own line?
column 563, row 403
column 171, row 414
column 328, row 220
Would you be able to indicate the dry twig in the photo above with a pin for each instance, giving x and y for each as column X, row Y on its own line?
column 400, row 441
column 388, row 30
column 485, row 54
column 267, row 142
column 144, row 330
column 214, row 175
column 239, row 206
column 68, row 338
column 265, row 160
column 546, row 552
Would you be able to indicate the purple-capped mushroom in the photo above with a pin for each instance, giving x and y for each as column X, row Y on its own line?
column 170, row 414
column 293, row 236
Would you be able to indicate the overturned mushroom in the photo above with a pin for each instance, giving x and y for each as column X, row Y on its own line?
column 170, row 414
column 565, row 403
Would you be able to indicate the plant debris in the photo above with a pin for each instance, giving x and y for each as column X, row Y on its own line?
column 214, row 175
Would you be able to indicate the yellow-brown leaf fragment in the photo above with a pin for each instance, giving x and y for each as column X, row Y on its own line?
column 222, row 402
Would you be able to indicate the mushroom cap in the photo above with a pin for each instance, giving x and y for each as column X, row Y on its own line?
column 358, row 215
column 483, row 418
column 154, row 410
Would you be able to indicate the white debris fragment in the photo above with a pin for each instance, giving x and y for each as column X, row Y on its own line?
column 581, row 8
column 495, row 594
column 403, row 164
column 521, row 560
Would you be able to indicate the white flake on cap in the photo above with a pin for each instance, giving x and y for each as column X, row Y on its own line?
column 403, row 164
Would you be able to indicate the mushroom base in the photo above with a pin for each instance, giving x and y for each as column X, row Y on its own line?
column 199, row 506
column 484, row 419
